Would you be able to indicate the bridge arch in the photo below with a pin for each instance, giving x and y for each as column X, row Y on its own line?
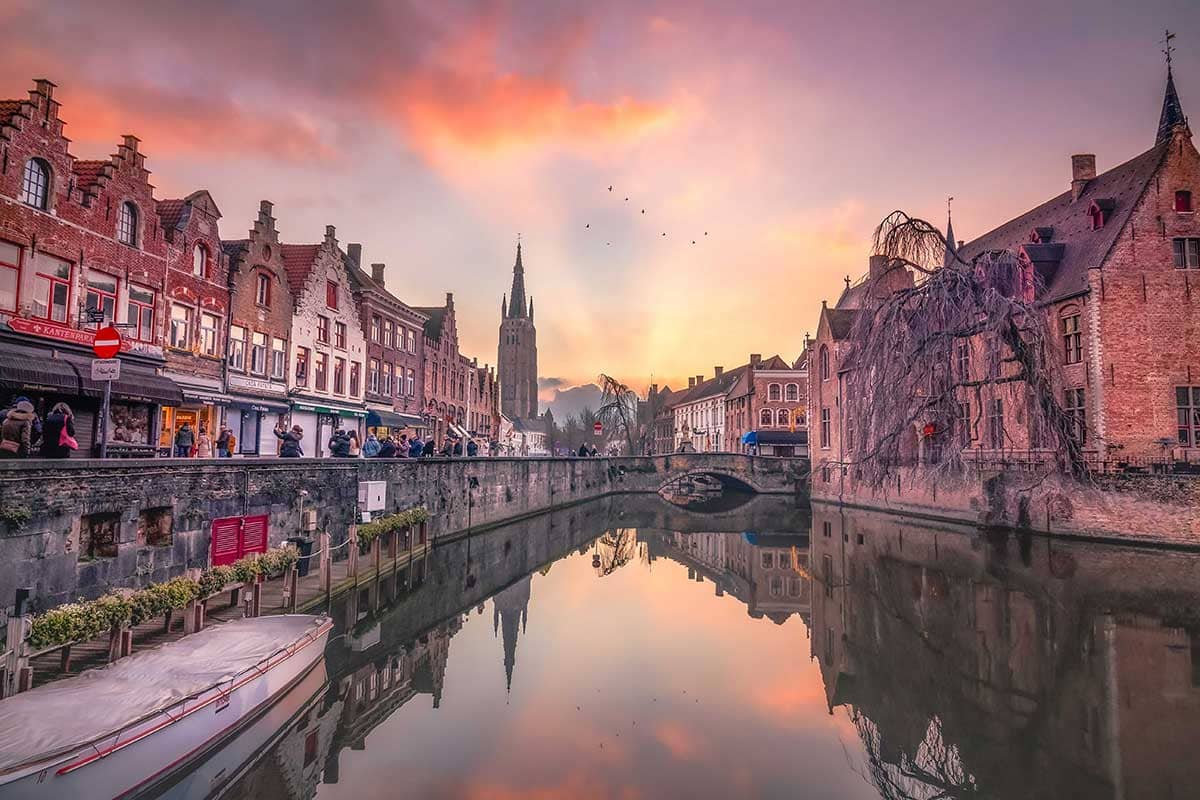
column 728, row 479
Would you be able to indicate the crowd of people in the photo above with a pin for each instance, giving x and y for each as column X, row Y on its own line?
column 345, row 444
column 23, row 434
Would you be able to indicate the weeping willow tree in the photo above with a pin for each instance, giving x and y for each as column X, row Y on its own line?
column 618, row 413
column 961, row 335
column 934, row 772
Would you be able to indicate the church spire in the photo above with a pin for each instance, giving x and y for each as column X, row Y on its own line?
column 951, row 248
column 1172, row 110
column 517, row 308
column 503, row 306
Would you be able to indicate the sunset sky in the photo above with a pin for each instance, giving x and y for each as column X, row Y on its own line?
column 434, row 132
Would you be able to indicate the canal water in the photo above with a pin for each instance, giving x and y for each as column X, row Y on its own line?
column 628, row 648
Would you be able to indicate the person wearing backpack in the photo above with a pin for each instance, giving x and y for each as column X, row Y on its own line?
column 58, row 433
column 16, row 432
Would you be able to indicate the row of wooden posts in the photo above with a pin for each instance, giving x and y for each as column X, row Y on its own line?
column 16, row 671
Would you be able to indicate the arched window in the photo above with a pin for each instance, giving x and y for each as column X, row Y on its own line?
column 127, row 221
column 824, row 363
column 782, row 417
column 35, row 188
column 773, row 393
column 200, row 261
column 792, row 393
column 764, row 419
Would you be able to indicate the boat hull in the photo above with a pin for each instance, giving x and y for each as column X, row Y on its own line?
column 153, row 751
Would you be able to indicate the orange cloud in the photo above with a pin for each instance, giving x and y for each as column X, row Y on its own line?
column 683, row 744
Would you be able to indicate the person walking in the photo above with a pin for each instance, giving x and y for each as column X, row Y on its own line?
column 593, row 452
column 428, row 448
column 16, row 432
column 204, row 444
column 583, row 451
column 185, row 437
column 472, row 448
column 415, row 447
column 59, row 421
column 355, row 446
column 387, row 448
column 290, row 446
column 371, row 446
column 223, row 443
column 339, row 444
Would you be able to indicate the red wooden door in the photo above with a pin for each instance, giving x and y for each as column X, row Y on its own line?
column 234, row 537
column 226, row 540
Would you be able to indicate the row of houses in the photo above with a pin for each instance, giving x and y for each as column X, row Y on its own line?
column 759, row 407
column 245, row 333
column 1114, row 264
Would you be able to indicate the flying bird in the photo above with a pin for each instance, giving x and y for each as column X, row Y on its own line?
column 664, row 233
column 588, row 225
column 626, row 199
column 693, row 241
column 610, row 188
column 643, row 211
column 706, row 233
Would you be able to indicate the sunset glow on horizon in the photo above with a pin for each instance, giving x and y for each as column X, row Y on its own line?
column 774, row 136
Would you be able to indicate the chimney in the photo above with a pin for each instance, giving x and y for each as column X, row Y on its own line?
column 130, row 141
column 755, row 359
column 699, row 379
column 717, row 372
column 692, row 383
column 877, row 266
column 376, row 272
column 449, row 299
column 330, row 234
column 354, row 250
column 1083, row 169
column 43, row 87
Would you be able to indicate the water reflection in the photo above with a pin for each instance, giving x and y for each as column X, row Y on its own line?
column 635, row 649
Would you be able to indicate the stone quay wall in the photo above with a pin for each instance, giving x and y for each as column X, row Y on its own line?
column 1136, row 509
column 78, row 528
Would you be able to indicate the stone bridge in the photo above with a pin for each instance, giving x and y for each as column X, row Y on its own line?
column 80, row 527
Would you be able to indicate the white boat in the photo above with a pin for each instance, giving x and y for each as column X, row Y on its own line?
column 115, row 732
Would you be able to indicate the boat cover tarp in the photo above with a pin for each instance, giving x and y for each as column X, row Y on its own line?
column 60, row 716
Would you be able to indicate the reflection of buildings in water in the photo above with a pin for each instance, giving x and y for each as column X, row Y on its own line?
column 1032, row 668
column 769, row 573
column 510, row 615
column 616, row 548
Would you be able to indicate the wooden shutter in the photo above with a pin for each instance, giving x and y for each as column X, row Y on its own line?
column 226, row 540
column 254, row 534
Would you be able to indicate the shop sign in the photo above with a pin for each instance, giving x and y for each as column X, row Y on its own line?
column 52, row 330
column 257, row 385
column 336, row 412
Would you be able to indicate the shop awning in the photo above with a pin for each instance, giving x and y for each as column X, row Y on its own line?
column 30, row 372
column 779, row 437
column 258, row 403
column 392, row 419
column 750, row 437
column 341, row 411
column 136, row 384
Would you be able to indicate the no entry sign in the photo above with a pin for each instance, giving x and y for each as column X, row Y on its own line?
column 598, row 428
column 107, row 342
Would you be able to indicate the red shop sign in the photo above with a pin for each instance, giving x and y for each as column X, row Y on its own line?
column 52, row 330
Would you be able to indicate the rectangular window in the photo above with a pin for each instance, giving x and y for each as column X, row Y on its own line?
column 1187, row 253
column 302, row 366
column 411, row 381
column 10, row 275
column 386, row 379
column 321, row 372
column 1076, row 413
column 996, row 424
column 262, row 289
column 355, row 377
column 1187, row 403
column 963, row 360
column 373, row 376
column 237, row 348
column 339, row 335
column 278, row 358
column 181, row 326
column 140, row 314
column 376, row 329
column 331, row 294
column 1183, row 202
column 323, row 329
column 51, row 288
column 210, row 336
column 339, row 376
column 825, row 428
column 1072, row 339
column 412, row 346
column 101, row 297
column 389, row 333
column 258, row 353
column 964, row 424
column 849, row 435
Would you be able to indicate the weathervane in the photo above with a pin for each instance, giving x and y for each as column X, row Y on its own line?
column 949, row 200
column 1168, row 48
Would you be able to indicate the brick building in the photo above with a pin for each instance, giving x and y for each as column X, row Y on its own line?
column 394, row 338
column 766, row 410
column 699, row 413
column 260, row 317
column 80, row 241
column 326, row 334
column 517, row 364
column 197, row 307
column 1112, row 259
column 445, row 372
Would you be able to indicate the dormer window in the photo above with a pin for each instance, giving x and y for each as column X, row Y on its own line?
column 199, row 261
column 1100, row 210
column 1183, row 202
column 35, row 187
column 1041, row 235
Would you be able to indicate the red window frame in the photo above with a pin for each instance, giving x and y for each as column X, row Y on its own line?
column 339, row 335
column 322, row 329
column 134, row 314
column 16, row 268
column 1183, row 201
column 331, row 294
column 102, row 294
column 54, row 279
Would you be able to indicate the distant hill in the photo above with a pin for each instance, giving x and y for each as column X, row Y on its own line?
column 569, row 402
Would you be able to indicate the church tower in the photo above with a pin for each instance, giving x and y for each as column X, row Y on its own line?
column 518, row 350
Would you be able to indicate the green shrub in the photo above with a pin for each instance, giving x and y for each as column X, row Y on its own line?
column 393, row 522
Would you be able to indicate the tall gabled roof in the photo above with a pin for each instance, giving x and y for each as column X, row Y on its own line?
column 298, row 260
column 517, row 308
column 437, row 315
column 87, row 172
column 841, row 322
column 711, row 387
column 170, row 212
column 1083, row 247
column 1172, row 111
